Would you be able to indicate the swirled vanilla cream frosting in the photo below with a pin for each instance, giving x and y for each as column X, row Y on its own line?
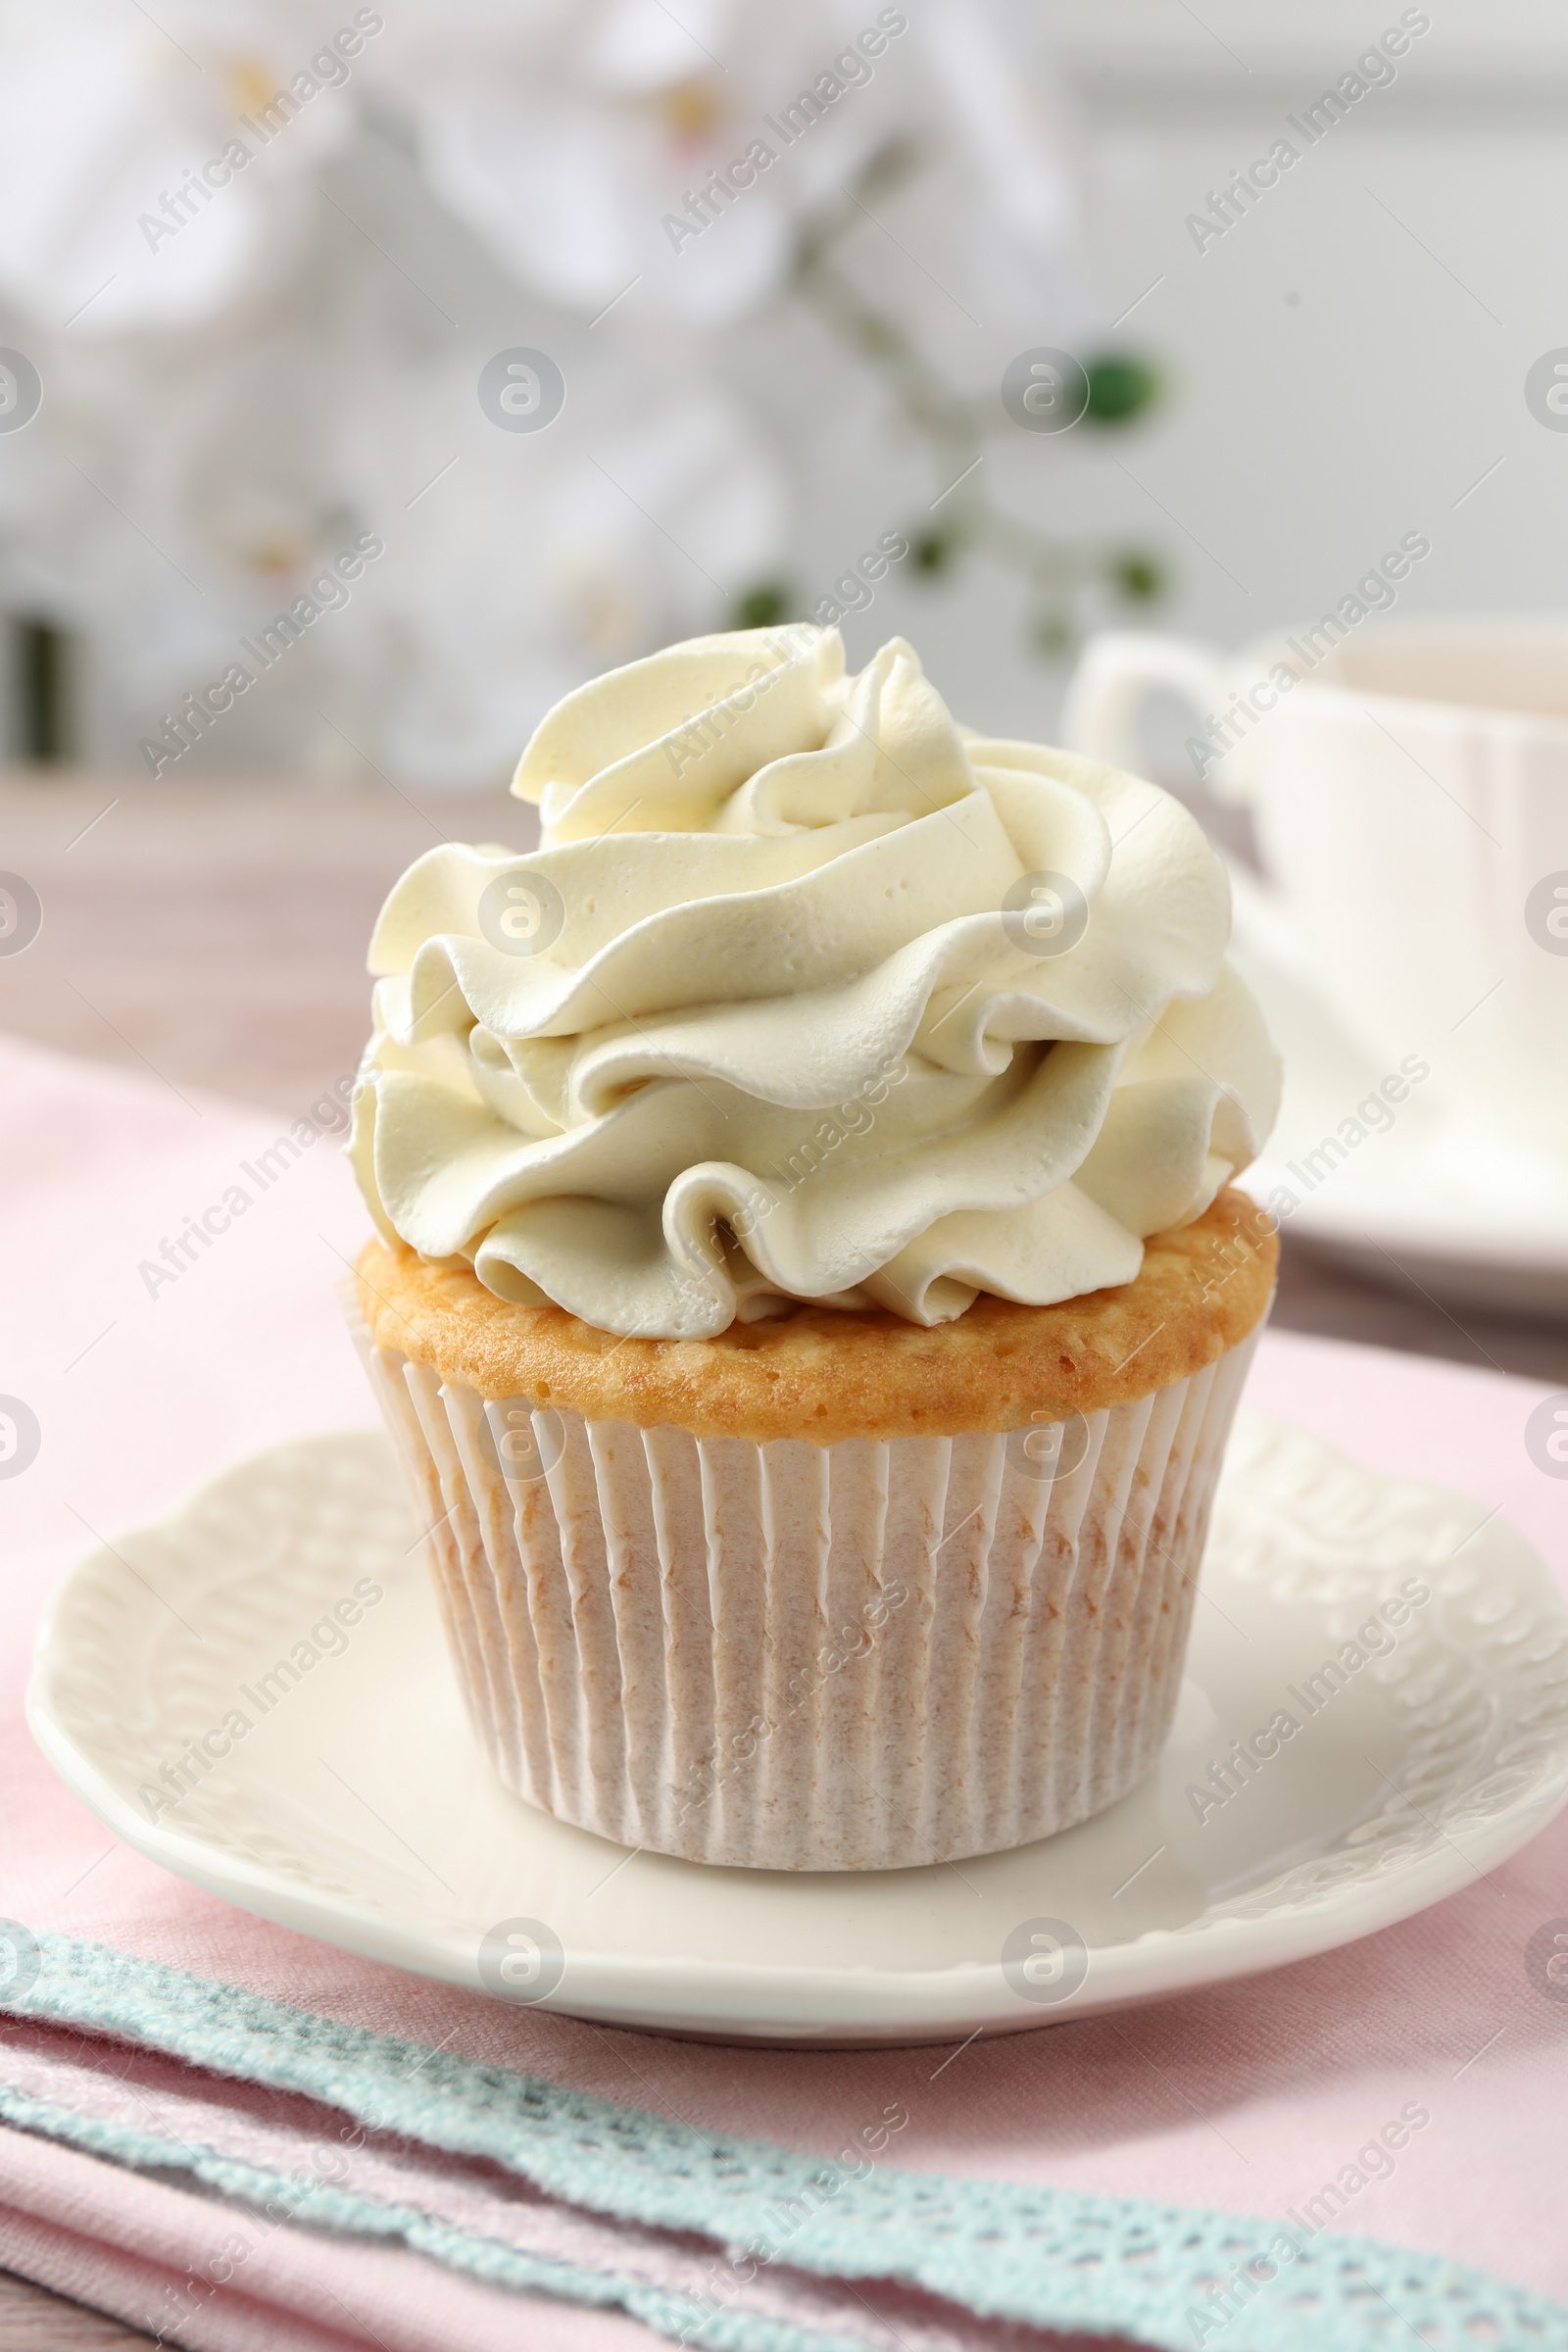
column 808, row 994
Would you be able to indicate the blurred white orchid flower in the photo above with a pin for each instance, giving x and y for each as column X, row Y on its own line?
column 152, row 173
column 529, row 561
column 626, row 149
column 259, row 265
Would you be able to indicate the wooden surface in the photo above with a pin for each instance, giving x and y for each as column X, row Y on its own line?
column 34, row 2320
column 213, row 936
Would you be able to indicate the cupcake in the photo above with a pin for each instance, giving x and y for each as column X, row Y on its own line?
column 808, row 1299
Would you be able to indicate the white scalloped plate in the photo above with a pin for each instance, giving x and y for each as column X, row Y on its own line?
column 358, row 1807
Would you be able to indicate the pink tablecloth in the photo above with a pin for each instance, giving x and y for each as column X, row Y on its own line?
column 1242, row 2098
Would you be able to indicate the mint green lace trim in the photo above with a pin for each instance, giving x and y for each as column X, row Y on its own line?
column 1169, row 2276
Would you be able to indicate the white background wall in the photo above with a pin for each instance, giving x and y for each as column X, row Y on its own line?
column 1336, row 376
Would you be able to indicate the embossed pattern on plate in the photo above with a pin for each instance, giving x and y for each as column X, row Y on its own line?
column 227, row 1695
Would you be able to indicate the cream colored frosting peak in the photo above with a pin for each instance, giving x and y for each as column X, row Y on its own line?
column 808, row 993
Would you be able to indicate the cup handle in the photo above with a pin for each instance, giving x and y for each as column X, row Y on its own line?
column 1115, row 676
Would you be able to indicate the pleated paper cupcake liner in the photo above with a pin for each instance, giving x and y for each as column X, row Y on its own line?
column 789, row 1656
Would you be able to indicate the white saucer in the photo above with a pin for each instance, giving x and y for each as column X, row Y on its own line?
column 358, row 1808
column 1478, row 1217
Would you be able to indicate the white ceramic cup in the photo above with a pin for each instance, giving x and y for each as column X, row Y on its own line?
column 1410, row 787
